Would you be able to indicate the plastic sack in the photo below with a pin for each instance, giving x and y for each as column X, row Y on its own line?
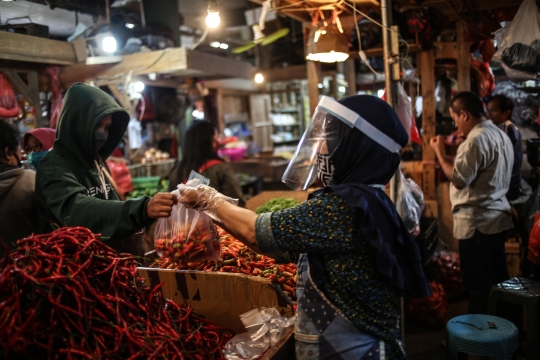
column 445, row 268
column 265, row 326
column 121, row 176
column 430, row 311
column 533, row 249
column 410, row 202
column 56, row 98
column 8, row 101
column 519, row 50
column 187, row 235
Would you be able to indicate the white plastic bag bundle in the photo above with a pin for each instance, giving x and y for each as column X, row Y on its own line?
column 519, row 49
column 265, row 326
column 410, row 203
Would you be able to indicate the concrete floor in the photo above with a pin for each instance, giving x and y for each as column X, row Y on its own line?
column 426, row 344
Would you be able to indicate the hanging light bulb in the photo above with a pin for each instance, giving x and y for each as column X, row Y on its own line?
column 212, row 19
column 259, row 78
column 108, row 44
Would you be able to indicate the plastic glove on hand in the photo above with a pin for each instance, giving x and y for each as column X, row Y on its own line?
column 202, row 198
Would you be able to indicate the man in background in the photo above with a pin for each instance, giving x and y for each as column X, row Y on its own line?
column 480, row 178
column 499, row 110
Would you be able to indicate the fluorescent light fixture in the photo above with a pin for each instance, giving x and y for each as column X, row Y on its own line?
column 215, row 44
column 320, row 85
column 341, row 89
column 224, row 46
column 130, row 26
column 108, row 44
column 328, row 57
column 259, row 78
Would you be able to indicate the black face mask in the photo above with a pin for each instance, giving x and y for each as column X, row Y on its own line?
column 99, row 140
column 326, row 169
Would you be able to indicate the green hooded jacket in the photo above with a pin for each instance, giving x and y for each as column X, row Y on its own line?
column 69, row 188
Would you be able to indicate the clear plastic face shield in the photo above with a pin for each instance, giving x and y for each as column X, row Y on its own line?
column 329, row 124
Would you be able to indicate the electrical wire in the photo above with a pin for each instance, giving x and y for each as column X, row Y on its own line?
column 205, row 33
column 361, row 53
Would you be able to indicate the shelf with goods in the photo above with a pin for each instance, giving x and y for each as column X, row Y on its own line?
column 287, row 111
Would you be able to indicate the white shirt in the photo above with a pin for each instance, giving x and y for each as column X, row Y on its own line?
column 482, row 168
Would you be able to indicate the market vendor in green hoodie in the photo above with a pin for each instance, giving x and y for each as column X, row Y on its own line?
column 73, row 186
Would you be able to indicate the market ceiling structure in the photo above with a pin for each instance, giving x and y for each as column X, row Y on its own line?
column 301, row 10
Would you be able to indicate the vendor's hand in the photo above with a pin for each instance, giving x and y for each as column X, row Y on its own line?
column 437, row 145
column 161, row 205
column 198, row 197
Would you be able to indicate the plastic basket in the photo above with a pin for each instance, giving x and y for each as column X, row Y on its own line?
column 143, row 183
column 234, row 154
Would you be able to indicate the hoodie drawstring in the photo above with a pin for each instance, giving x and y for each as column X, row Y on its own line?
column 102, row 178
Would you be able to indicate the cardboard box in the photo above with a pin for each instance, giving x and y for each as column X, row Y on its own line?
column 219, row 297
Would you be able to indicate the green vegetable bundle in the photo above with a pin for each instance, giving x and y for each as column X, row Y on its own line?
column 151, row 191
column 277, row 204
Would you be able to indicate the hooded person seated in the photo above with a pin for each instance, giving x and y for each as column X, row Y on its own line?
column 37, row 143
column 73, row 183
column 355, row 254
column 18, row 214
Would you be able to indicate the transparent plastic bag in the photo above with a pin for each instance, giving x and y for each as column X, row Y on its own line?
column 187, row 235
column 519, row 49
column 265, row 326
column 410, row 202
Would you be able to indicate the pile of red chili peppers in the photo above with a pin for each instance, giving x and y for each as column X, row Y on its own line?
column 238, row 258
column 68, row 295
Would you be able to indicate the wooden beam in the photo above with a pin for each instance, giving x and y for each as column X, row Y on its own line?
column 285, row 74
column 174, row 61
column 29, row 91
column 122, row 98
column 293, row 14
column 219, row 65
column 350, row 76
column 313, row 69
column 427, row 74
column 35, row 49
column 463, row 58
column 446, row 50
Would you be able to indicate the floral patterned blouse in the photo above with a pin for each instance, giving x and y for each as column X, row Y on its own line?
column 325, row 228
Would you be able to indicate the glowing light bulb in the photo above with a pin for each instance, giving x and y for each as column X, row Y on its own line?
column 138, row 86
column 213, row 19
column 259, row 78
column 108, row 44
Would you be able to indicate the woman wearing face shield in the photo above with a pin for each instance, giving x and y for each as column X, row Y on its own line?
column 355, row 255
column 37, row 143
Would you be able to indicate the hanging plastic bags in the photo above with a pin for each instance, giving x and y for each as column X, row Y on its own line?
column 410, row 203
column 8, row 101
column 519, row 50
column 56, row 98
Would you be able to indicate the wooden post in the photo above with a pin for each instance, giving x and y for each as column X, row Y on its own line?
column 219, row 106
column 350, row 76
column 313, row 85
column 463, row 58
column 30, row 91
column 427, row 73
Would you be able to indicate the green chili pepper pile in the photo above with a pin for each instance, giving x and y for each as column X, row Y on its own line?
column 68, row 295
column 277, row 204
